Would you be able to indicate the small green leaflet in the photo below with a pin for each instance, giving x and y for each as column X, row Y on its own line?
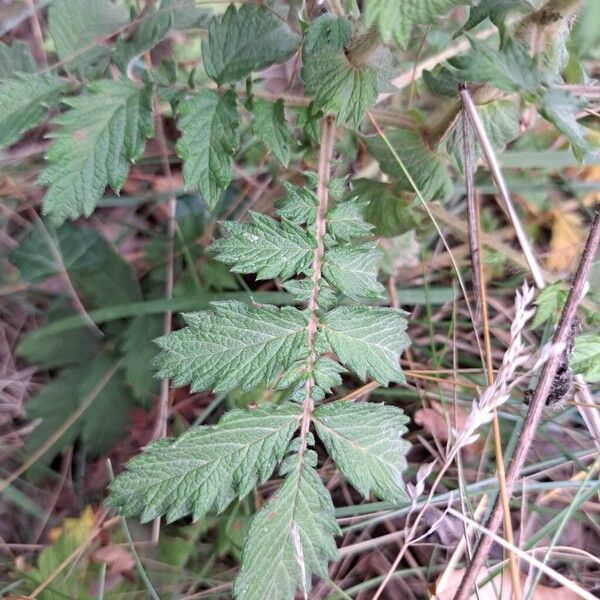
column 299, row 205
column 510, row 68
column 425, row 167
column 365, row 441
column 14, row 59
column 271, row 128
column 387, row 207
column 207, row 467
column 265, row 246
column 302, row 288
column 209, row 125
column 549, row 302
column 246, row 40
column 103, row 423
column 366, row 339
column 327, row 32
column 76, row 26
column 101, row 134
column 585, row 359
column 500, row 119
column 495, row 11
column 353, row 270
column 337, row 85
column 291, row 538
column 234, row 344
column 346, row 220
column 24, row 102
column 560, row 108
column 138, row 353
column 154, row 26
column 395, row 18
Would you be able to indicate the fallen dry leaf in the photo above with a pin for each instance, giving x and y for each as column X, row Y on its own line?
column 436, row 419
column 500, row 588
column 118, row 558
column 568, row 235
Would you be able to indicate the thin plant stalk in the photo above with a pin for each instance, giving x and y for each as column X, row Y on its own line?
column 474, row 221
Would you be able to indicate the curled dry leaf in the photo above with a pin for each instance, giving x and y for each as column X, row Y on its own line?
column 437, row 420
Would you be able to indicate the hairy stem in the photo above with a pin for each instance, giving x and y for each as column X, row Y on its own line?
column 535, row 408
column 327, row 141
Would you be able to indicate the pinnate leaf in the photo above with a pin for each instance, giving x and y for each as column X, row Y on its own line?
column 245, row 40
column 234, row 344
column 353, row 270
column 101, row 134
column 271, row 128
column 291, row 538
column 365, row 441
column 366, row 339
column 207, row 467
column 265, row 246
column 24, row 102
column 209, row 125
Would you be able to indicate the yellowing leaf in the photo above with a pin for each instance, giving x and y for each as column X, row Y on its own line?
column 568, row 235
column 591, row 174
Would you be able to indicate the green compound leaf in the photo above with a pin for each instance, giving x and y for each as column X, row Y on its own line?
column 209, row 126
column 366, row 339
column 245, row 40
column 560, row 108
column 353, row 270
column 395, row 19
column 76, row 26
column 14, row 59
column 207, row 467
column 24, row 102
column 299, row 205
column 234, row 344
column 586, row 357
column 271, row 128
column 365, row 441
column 101, row 134
column 346, row 220
column 426, row 168
column 291, row 538
column 265, row 246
